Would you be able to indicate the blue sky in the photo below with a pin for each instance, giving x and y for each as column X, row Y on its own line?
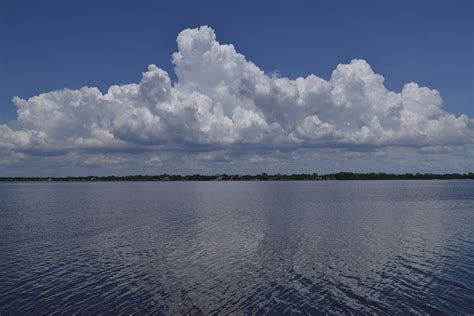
column 50, row 45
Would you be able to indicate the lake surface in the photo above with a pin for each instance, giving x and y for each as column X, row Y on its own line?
column 237, row 247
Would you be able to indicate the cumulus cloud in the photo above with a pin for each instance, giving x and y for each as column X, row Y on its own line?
column 221, row 100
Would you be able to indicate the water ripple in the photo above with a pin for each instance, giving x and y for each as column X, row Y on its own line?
column 223, row 248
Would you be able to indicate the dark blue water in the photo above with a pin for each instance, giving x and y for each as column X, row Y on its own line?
column 382, row 247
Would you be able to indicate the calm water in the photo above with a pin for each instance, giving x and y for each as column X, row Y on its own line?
column 220, row 247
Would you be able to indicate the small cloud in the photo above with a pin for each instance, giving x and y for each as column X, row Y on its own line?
column 258, row 159
column 155, row 160
column 104, row 160
column 11, row 158
column 213, row 156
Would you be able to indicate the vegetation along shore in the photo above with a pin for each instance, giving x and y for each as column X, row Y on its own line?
column 258, row 177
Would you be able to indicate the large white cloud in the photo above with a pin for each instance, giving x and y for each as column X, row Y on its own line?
column 221, row 100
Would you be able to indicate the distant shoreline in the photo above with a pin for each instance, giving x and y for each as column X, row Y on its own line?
column 258, row 177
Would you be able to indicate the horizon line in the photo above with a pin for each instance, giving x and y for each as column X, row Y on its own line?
column 251, row 177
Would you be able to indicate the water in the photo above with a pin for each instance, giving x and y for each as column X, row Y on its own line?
column 382, row 247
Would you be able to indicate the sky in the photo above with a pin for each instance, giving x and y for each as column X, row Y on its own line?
column 121, row 87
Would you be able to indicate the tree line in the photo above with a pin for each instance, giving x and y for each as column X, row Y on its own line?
column 259, row 177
